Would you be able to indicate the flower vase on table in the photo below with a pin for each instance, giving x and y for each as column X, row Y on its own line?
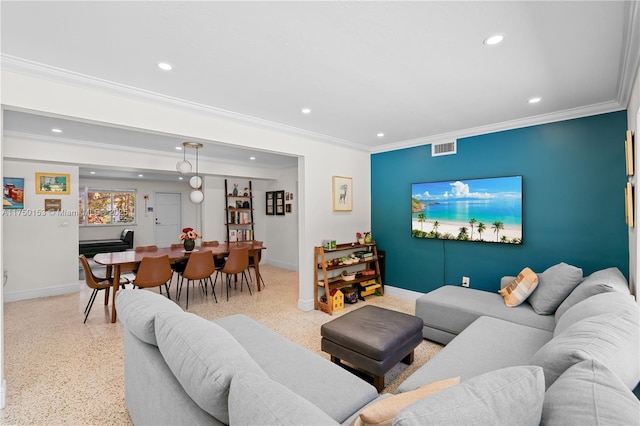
column 189, row 245
column 189, row 236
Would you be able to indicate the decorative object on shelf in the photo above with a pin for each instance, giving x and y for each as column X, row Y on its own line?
column 367, row 238
column 189, row 236
column 342, row 193
column 184, row 167
column 359, row 237
column 235, row 189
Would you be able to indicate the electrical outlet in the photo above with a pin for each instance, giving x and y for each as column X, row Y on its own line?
column 465, row 281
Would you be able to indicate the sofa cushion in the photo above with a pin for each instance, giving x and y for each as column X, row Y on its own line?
column 603, row 303
column 509, row 396
column 137, row 311
column 258, row 400
column 609, row 338
column 589, row 393
column 334, row 390
column 521, row 288
column 204, row 357
column 554, row 285
column 487, row 344
column 605, row 280
column 381, row 413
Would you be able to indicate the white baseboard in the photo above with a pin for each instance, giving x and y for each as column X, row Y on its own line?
column 287, row 266
column 305, row 305
column 3, row 394
column 42, row 292
column 401, row 292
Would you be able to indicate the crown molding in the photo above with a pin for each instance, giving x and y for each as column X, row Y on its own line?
column 568, row 114
column 630, row 65
column 60, row 75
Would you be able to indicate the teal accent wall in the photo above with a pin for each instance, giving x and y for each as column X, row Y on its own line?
column 573, row 203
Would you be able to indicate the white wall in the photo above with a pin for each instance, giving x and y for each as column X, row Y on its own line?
column 40, row 250
column 282, row 230
column 318, row 160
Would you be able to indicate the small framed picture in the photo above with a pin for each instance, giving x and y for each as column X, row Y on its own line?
column 48, row 183
column 279, row 202
column 342, row 191
column 287, row 208
column 270, row 205
column 12, row 193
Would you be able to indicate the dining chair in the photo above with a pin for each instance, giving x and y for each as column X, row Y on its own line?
column 252, row 263
column 139, row 249
column 97, row 284
column 154, row 271
column 199, row 267
column 177, row 267
column 237, row 262
column 218, row 259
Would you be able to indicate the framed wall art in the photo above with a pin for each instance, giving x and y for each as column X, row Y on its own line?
column 279, row 202
column 12, row 193
column 628, row 150
column 48, row 183
column 628, row 204
column 270, row 203
column 342, row 194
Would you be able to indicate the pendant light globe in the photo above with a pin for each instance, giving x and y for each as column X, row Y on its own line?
column 196, row 196
column 195, row 182
column 183, row 167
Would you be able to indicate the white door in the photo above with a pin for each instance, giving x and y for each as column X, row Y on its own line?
column 168, row 213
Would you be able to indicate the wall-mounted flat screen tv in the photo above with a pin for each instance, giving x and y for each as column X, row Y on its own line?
column 486, row 209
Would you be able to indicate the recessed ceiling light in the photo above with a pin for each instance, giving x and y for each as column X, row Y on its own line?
column 306, row 110
column 494, row 39
column 380, row 135
column 534, row 100
column 179, row 177
column 92, row 172
column 141, row 175
column 252, row 158
column 56, row 130
column 178, row 148
column 165, row 66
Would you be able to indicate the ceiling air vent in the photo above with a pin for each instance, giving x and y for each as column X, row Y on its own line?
column 446, row 148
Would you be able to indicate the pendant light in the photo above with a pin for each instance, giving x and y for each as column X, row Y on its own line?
column 196, row 196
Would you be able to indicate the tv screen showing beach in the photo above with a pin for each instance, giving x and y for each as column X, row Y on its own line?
column 487, row 209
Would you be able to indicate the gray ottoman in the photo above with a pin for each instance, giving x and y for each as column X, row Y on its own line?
column 372, row 339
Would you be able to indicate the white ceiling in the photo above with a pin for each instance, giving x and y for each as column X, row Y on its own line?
column 416, row 71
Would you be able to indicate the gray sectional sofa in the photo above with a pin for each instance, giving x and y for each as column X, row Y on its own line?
column 182, row 369
column 589, row 330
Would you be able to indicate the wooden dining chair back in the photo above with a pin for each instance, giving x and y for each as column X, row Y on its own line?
column 237, row 262
column 154, row 271
column 97, row 284
column 140, row 249
column 218, row 259
column 252, row 262
column 199, row 267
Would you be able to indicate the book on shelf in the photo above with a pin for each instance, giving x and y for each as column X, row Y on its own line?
column 362, row 254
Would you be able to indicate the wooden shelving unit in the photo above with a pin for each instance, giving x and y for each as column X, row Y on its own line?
column 239, row 214
column 366, row 284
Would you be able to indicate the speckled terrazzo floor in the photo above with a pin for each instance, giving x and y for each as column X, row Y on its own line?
column 60, row 371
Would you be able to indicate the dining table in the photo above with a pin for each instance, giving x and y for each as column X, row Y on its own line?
column 123, row 261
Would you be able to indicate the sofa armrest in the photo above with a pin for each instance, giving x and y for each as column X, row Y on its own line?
column 127, row 237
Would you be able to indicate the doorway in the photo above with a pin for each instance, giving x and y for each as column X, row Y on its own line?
column 168, row 214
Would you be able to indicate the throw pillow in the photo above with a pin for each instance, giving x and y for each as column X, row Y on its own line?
column 203, row 357
column 381, row 413
column 603, row 281
column 518, row 291
column 611, row 339
column 509, row 396
column 258, row 400
column 137, row 310
column 589, row 393
column 554, row 286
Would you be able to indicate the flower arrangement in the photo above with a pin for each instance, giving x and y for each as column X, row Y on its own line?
column 189, row 234
column 358, row 234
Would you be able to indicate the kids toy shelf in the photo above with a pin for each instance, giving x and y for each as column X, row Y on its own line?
column 328, row 274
